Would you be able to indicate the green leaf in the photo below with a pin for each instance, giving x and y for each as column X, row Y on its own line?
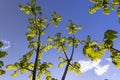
column 30, row 34
column 62, row 39
column 2, row 72
column 94, row 43
column 108, row 43
column 50, row 78
column 117, row 63
column 47, row 73
column 70, row 43
column 21, row 8
column 72, row 28
column 49, row 65
column 40, row 55
column 70, row 69
column 61, row 58
column 23, row 71
column 88, row 38
column 77, row 71
column 29, row 55
column 76, row 65
column 70, row 22
column 3, row 54
column 106, row 11
column 90, row 50
column 59, row 18
column 39, row 75
column 10, row 67
column 50, row 39
column 55, row 19
column 1, row 64
column 118, row 11
column 27, row 11
column 1, row 44
column 14, row 74
column 111, row 32
column 33, row 2
column 31, row 65
column 62, row 64
column 30, row 77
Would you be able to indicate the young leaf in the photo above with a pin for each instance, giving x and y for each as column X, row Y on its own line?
column 1, row 44
column 49, row 65
column 62, row 64
column 78, row 71
column 2, row 72
column 3, row 54
column 61, row 58
column 14, row 74
column 70, row 69
column 1, row 64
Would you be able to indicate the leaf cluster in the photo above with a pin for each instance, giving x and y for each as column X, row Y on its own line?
column 2, row 55
column 55, row 19
column 31, row 8
column 92, row 49
column 115, row 55
column 109, row 36
column 75, row 67
column 73, row 28
column 106, row 5
column 36, row 30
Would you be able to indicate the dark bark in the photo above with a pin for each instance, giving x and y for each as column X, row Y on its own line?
column 68, row 60
column 115, row 49
column 36, row 59
column 65, row 71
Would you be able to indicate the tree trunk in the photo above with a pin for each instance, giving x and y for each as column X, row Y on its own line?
column 36, row 59
column 65, row 71
column 35, row 65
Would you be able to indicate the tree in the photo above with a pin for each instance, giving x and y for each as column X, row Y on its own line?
column 60, row 43
column 38, row 25
column 2, row 54
column 37, row 28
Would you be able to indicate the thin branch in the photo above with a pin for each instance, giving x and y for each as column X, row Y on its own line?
column 65, row 53
column 73, row 46
column 28, row 69
column 115, row 49
column 46, row 27
column 66, row 56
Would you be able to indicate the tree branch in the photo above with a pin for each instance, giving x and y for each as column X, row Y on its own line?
column 115, row 49
column 45, row 28
column 73, row 46
column 65, row 53
column 28, row 69
column 68, row 61
column 36, row 58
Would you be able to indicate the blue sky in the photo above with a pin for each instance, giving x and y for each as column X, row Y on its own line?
column 13, row 26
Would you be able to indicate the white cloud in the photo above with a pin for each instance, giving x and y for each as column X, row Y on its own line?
column 109, row 59
column 88, row 65
column 100, row 70
column 6, row 45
